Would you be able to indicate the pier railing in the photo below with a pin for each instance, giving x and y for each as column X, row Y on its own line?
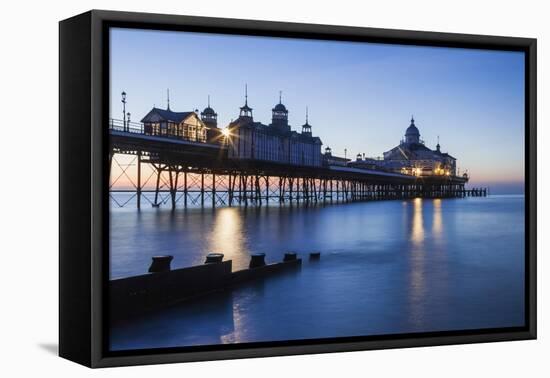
column 126, row 126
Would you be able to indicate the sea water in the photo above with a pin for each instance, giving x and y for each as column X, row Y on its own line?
column 386, row 267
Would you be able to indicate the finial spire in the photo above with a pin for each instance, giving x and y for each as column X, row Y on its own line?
column 246, row 94
column 306, row 127
column 208, row 100
column 280, row 96
column 412, row 118
column 168, row 99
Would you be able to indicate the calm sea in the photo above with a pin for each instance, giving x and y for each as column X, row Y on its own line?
column 386, row 267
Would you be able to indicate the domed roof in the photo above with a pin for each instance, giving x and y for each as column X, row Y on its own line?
column 412, row 129
column 208, row 111
column 279, row 108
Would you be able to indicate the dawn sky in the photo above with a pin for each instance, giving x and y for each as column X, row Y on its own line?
column 360, row 96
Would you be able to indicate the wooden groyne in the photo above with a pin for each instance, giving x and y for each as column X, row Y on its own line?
column 132, row 296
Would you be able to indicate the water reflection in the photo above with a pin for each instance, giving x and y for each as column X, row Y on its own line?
column 417, row 227
column 243, row 303
column 437, row 226
column 226, row 235
column 418, row 262
column 428, row 259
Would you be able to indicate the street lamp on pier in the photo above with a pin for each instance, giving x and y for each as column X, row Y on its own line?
column 124, row 109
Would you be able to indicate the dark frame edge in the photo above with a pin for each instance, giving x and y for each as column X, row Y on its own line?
column 317, row 31
column 75, row 333
column 94, row 357
column 177, row 357
column 531, row 180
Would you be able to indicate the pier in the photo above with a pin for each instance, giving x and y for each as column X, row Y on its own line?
column 198, row 173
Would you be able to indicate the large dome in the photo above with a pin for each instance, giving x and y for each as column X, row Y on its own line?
column 412, row 130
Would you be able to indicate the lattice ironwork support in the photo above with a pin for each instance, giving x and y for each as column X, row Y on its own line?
column 185, row 188
column 202, row 189
column 157, row 186
column 138, row 186
column 213, row 190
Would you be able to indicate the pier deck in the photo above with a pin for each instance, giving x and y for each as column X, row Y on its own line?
column 197, row 173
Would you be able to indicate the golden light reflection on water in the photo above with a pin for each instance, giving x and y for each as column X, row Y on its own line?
column 437, row 226
column 227, row 235
column 417, row 227
column 418, row 256
column 242, row 314
column 421, row 252
column 237, row 333
column 233, row 335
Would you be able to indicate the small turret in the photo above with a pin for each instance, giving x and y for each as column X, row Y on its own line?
column 279, row 117
column 209, row 116
column 246, row 111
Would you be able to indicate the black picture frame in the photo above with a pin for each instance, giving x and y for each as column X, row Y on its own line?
column 83, row 205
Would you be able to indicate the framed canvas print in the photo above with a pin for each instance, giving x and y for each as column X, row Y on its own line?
column 234, row 188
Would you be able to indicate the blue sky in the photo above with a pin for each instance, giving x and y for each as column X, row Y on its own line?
column 360, row 96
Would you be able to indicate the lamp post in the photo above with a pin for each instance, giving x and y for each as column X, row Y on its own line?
column 124, row 109
column 128, row 121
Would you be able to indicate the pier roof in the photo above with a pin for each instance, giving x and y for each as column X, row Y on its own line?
column 416, row 147
column 445, row 154
column 156, row 115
